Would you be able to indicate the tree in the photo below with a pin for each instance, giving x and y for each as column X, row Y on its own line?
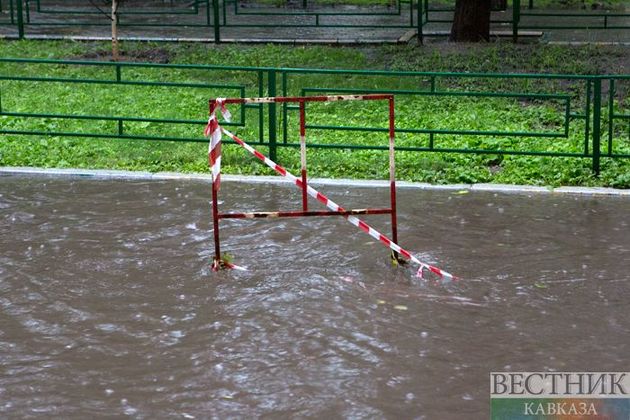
column 114, row 19
column 471, row 22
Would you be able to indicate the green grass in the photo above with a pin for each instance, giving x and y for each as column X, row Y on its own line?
column 501, row 114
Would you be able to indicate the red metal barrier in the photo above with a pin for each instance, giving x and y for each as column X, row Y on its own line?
column 335, row 210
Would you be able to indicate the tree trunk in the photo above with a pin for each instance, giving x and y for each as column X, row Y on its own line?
column 115, row 53
column 471, row 22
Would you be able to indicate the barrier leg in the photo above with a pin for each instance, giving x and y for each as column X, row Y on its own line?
column 396, row 258
column 216, row 262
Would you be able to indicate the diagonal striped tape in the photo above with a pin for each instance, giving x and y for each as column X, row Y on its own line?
column 335, row 207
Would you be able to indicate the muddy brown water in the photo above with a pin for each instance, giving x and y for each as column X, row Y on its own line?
column 108, row 307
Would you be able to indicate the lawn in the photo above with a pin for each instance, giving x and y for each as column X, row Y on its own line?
column 496, row 114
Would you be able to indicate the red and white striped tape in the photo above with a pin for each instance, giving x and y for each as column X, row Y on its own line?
column 213, row 131
column 335, row 207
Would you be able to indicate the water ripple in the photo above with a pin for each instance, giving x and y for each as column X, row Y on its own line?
column 109, row 307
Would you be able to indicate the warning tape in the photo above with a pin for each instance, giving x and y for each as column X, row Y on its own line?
column 335, row 207
column 213, row 131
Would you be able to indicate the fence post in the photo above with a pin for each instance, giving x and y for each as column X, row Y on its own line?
column 271, row 75
column 215, row 17
column 420, row 35
column 20, row 19
column 597, row 123
column 516, row 17
column 611, row 114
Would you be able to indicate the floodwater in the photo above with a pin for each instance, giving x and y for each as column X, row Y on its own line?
column 108, row 307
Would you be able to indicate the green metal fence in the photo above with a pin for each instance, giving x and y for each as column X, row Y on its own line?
column 522, row 17
column 312, row 14
column 11, row 14
column 499, row 114
column 566, row 19
column 164, row 15
column 208, row 18
column 200, row 14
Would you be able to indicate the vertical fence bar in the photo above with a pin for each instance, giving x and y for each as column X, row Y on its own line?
column 303, row 154
column 567, row 117
column 20, row 19
column 597, row 121
column 261, row 115
column 426, row 9
column 611, row 114
column 516, row 17
column 216, row 23
column 587, row 113
column 271, row 76
column 285, row 109
column 419, row 22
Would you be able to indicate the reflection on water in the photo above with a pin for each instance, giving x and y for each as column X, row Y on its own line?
column 108, row 306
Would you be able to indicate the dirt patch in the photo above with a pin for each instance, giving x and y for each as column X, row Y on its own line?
column 505, row 57
column 149, row 55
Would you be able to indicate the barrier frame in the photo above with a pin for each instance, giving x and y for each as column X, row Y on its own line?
column 305, row 212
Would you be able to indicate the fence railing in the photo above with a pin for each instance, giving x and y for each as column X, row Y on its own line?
column 208, row 18
column 518, row 17
column 498, row 114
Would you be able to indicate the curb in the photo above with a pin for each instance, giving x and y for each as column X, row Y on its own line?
column 252, row 179
column 227, row 40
